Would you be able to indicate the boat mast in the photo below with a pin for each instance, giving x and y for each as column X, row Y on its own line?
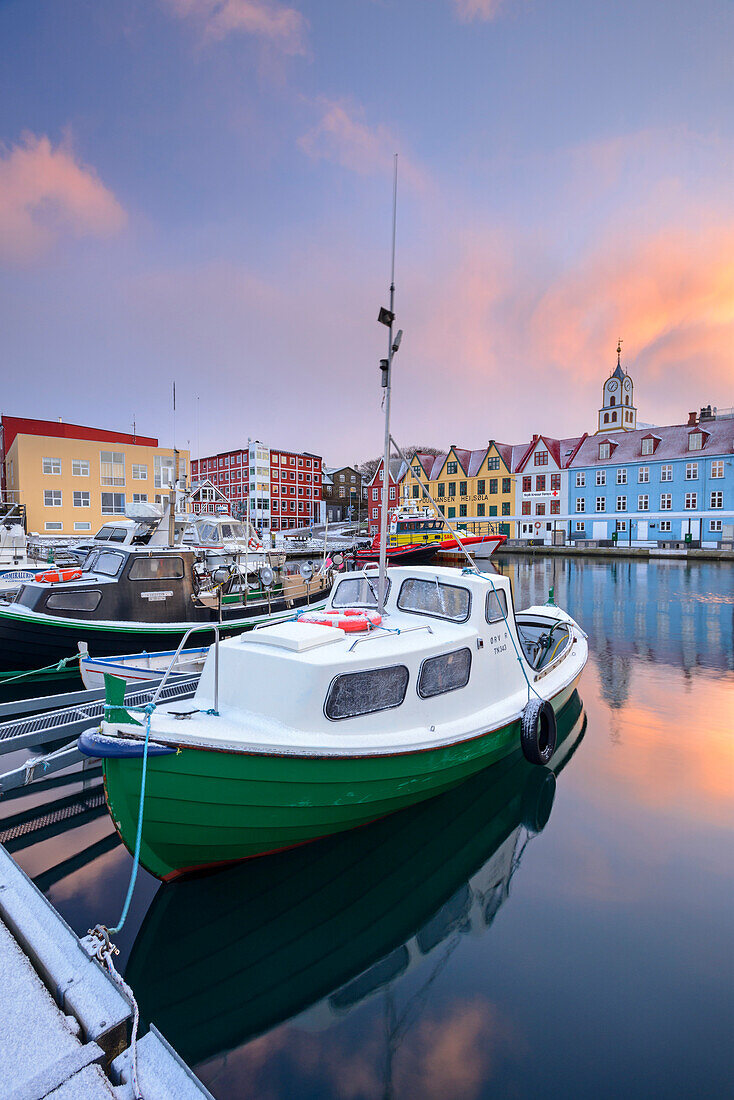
column 387, row 317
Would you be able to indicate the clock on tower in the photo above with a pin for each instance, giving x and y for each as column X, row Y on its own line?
column 618, row 412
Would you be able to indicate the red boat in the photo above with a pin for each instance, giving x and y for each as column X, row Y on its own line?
column 415, row 535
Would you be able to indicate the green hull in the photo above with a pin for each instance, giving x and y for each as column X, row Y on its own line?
column 204, row 808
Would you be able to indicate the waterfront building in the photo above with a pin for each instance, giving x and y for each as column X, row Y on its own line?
column 374, row 491
column 206, row 497
column 278, row 489
column 467, row 485
column 345, row 494
column 71, row 478
column 541, row 472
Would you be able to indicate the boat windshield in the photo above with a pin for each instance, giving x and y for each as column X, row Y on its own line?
column 103, row 561
column 357, row 591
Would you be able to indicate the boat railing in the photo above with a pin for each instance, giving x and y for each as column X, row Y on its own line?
column 192, row 630
column 389, row 632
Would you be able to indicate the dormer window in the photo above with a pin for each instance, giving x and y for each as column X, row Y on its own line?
column 605, row 450
column 695, row 441
column 648, row 446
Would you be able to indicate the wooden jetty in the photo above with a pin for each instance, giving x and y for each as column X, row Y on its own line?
column 65, row 1025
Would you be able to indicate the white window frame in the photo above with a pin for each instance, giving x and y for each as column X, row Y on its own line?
column 621, row 504
column 53, row 525
column 601, row 504
column 49, row 498
column 622, row 476
column 666, row 472
column 666, row 502
column 140, row 498
column 79, row 467
column 643, row 502
column 115, row 461
column 643, row 475
column 82, row 525
column 665, row 525
column 81, row 503
column 580, row 504
column 605, row 450
column 691, row 471
column 113, row 511
column 601, row 477
column 695, row 441
column 51, row 466
column 717, row 498
column 136, row 474
column 714, row 525
column 647, row 447
column 691, row 501
column 717, row 468
column 580, row 479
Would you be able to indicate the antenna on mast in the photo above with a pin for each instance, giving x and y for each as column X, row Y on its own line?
column 387, row 317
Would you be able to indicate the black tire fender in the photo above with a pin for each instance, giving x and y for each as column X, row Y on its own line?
column 537, row 799
column 538, row 731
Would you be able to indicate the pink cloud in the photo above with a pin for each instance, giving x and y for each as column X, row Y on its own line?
column 46, row 192
column 343, row 137
column 467, row 10
column 280, row 25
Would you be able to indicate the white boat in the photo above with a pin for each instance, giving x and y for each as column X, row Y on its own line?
column 221, row 541
column 137, row 668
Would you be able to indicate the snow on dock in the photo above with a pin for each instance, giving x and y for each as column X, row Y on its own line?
column 65, row 1025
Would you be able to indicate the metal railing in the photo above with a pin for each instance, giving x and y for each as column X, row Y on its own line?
column 193, row 630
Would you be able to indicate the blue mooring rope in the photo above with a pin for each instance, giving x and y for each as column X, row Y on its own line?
column 148, row 710
column 483, row 573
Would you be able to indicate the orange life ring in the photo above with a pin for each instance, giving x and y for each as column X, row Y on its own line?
column 252, row 544
column 51, row 576
column 537, row 525
column 353, row 620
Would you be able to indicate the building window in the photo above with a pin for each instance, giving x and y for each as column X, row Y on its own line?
column 540, row 483
column 505, row 508
column 717, row 499
column 526, row 507
column 621, row 504
column 601, row 504
column 79, row 467
column 53, row 525
column 452, row 488
column 52, row 498
column 451, row 467
column 540, row 458
column 462, row 509
column 580, row 504
column 691, row 471
column 540, row 509
column 555, row 483
column 441, row 489
column 643, row 502
column 140, row 498
column 717, row 468
column 452, row 513
column 493, row 509
column 416, row 491
column 81, row 498
column 666, row 473
column 493, row 483
column 691, row 500
column 82, row 525
column 621, row 525
column 665, row 525
column 643, row 474
column 666, row 502
column 601, row 477
column 506, row 484
column 606, row 418
column 580, row 479
column 580, row 525
column 164, row 471
column 112, row 467
column 493, row 464
column 52, row 465
column 527, row 484
column 481, row 488
column 555, row 507
column 113, row 504
column 480, row 510
column 392, row 492
column 375, row 513
column 647, row 447
column 695, row 441
column 605, row 450
column 140, row 472
column 714, row 525
column 462, row 488
column 375, row 494
column 621, row 477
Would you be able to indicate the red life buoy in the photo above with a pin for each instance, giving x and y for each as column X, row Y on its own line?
column 537, row 525
column 252, row 544
column 353, row 620
column 51, row 576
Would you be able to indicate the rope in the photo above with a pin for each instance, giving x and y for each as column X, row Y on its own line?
column 148, row 710
column 531, row 687
column 104, row 949
column 59, row 667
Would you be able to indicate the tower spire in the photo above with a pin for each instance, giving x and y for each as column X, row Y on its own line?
column 619, row 351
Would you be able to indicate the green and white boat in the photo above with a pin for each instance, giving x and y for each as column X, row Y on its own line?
column 306, row 728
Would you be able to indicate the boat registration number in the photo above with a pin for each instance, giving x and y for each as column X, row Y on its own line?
column 156, row 595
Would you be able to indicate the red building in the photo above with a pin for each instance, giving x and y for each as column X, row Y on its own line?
column 285, row 487
column 398, row 471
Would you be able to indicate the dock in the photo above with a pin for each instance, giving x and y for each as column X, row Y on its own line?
column 66, row 1025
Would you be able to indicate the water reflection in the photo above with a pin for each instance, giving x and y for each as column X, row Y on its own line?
column 321, row 929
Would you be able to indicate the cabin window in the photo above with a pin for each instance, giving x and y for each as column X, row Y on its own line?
column 356, row 693
column 447, row 672
column 71, row 600
column 108, row 562
column 358, row 591
column 118, row 534
column 496, row 606
column 157, row 569
column 445, row 601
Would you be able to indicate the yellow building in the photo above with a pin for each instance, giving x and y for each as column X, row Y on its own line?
column 472, row 486
column 71, row 478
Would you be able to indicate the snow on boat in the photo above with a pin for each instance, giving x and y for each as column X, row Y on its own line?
column 313, row 729
column 139, row 668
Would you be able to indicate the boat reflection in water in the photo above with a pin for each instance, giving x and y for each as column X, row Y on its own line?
column 221, row 959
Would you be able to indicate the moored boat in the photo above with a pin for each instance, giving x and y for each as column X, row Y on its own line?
column 416, row 535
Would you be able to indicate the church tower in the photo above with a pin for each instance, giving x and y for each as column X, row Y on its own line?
column 618, row 412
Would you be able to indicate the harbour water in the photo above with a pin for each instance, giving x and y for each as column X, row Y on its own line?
column 520, row 936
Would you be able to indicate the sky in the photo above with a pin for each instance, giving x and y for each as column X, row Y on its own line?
column 201, row 191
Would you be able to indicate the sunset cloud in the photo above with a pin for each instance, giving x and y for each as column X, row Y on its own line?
column 45, row 192
column 467, row 10
column 282, row 26
column 343, row 137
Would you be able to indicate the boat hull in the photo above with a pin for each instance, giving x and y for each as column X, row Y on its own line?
column 205, row 808
column 403, row 555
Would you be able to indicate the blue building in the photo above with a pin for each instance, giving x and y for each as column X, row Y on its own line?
column 652, row 484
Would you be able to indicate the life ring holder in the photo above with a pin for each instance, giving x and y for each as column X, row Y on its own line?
column 352, row 620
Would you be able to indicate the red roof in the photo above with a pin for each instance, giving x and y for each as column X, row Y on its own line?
column 18, row 425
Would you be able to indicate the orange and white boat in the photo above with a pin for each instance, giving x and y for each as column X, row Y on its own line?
column 418, row 534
